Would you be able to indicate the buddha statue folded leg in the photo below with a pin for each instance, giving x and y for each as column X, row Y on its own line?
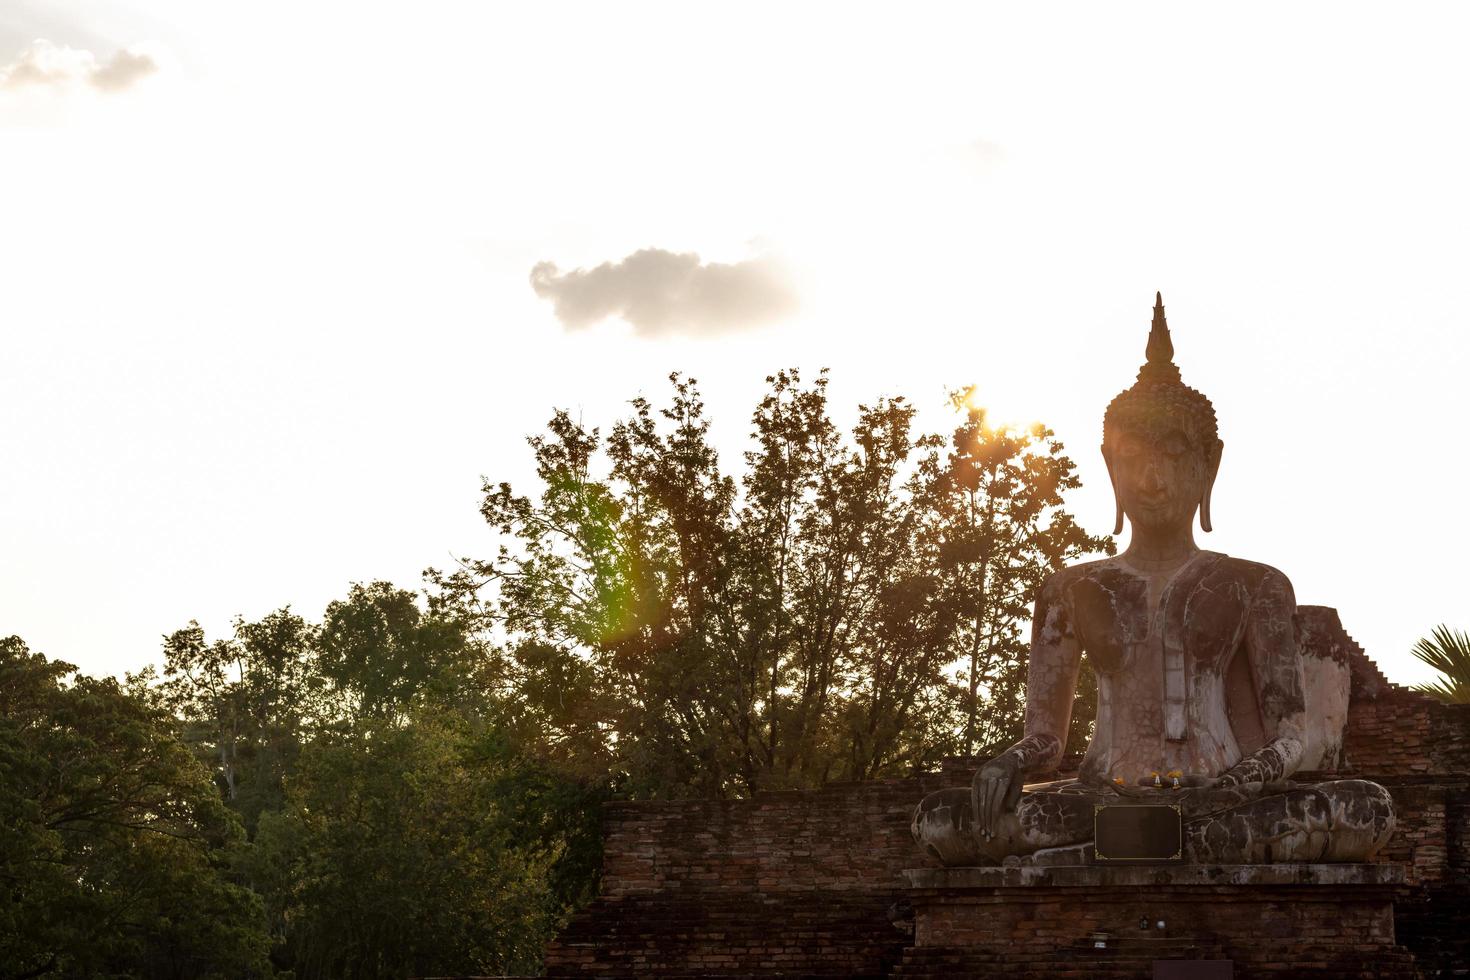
column 1343, row 820
column 944, row 824
column 1253, row 823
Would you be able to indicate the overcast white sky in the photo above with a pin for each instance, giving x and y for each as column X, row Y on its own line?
column 266, row 300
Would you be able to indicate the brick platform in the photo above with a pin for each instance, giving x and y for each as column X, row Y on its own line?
column 1320, row 919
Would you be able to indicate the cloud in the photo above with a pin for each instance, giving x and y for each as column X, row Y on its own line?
column 126, row 67
column 57, row 66
column 662, row 293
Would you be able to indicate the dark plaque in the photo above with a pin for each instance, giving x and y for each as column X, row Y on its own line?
column 1138, row 834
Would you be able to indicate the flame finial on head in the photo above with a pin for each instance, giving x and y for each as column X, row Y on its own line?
column 1160, row 350
column 1160, row 399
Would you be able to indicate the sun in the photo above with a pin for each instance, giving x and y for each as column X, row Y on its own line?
column 991, row 419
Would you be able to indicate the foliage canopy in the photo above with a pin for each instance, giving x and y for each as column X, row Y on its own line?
column 114, row 846
column 850, row 607
column 410, row 785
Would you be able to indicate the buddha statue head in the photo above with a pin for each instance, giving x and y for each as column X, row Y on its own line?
column 1161, row 444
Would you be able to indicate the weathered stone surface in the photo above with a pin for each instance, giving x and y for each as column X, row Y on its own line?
column 1100, row 876
column 1327, row 683
column 1210, row 679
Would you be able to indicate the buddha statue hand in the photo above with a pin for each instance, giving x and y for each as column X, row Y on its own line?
column 996, row 788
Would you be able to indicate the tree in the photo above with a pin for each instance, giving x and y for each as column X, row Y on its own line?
column 252, row 701
column 844, row 613
column 996, row 510
column 114, row 844
column 414, row 849
column 398, row 824
column 1447, row 651
column 379, row 653
column 245, row 703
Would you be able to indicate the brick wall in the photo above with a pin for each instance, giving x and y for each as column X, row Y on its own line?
column 794, row 882
column 843, row 837
column 1402, row 732
column 1275, row 923
column 1420, row 841
column 1420, row 749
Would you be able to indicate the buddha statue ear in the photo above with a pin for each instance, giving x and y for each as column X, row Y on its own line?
column 1204, row 501
column 1118, row 497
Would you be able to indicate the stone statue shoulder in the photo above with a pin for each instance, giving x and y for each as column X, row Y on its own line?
column 1252, row 574
column 1058, row 582
column 1055, row 592
column 1259, row 578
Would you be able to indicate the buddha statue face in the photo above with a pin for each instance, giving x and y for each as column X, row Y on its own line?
column 1160, row 478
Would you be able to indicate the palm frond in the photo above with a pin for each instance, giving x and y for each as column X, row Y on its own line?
column 1447, row 651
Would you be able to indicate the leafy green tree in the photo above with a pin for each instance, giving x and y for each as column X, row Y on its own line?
column 397, row 855
column 378, row 652
column 400, row 824
column 114, row 844
column 846, row 610
column 250, row 702
column 246, row 703
column 1447, row 651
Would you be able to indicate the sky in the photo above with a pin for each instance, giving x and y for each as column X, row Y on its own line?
column 278, row 286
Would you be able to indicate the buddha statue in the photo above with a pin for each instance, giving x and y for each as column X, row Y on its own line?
column 1201, row 699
